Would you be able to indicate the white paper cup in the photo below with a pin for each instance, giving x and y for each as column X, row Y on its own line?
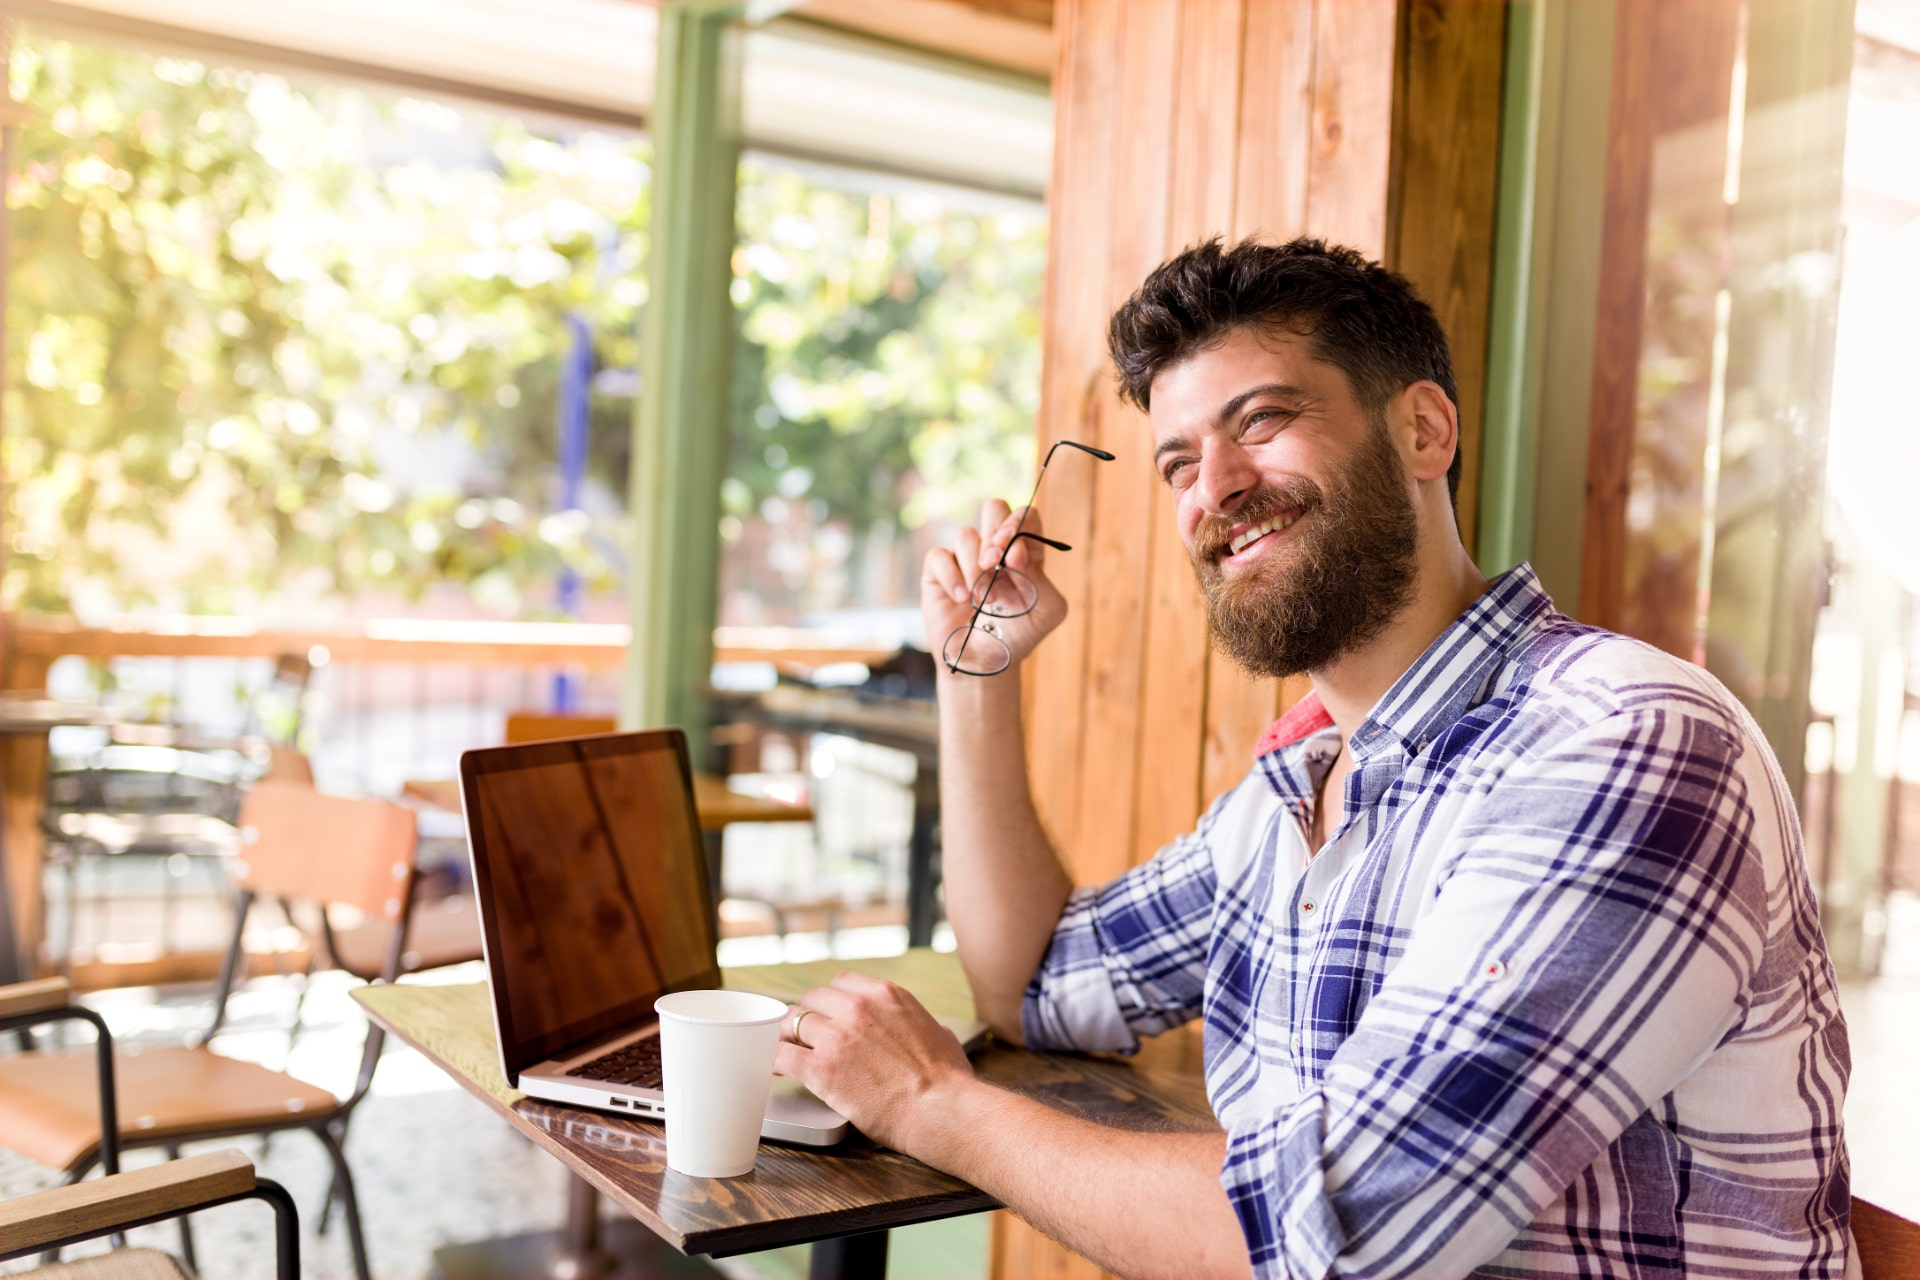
column 716, row 1064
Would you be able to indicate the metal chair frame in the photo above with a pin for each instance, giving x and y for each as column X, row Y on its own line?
column 286, row 1228
column 329, row 1128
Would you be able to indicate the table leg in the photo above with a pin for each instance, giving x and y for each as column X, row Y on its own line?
column 23, row 780
column 580, row 1256
column 923, row 854
column 713, row 846
column 861, row 1257
column 10, row 970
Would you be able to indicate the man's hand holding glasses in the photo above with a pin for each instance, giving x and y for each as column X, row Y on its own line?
column 988, row 602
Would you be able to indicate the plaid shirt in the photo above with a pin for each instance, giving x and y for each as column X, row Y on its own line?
column 1553, row 1000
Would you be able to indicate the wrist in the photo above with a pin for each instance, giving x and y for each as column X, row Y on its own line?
column 944, row 1119
column 974, row 694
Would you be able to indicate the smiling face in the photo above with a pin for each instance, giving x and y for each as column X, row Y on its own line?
column 1291, row 499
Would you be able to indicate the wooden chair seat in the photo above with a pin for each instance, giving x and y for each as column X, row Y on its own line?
column 50, row 1106
column 121, row 1264
column 440, row 932
column 1889, row 1244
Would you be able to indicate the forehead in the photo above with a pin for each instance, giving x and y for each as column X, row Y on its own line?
column 1188, row 396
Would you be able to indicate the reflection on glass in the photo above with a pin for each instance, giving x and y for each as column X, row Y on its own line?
column 594, row 870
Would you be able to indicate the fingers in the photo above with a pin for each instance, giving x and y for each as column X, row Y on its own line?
column 993, row 514
column 1026, row 553
column 941, row 572
column 827, row 1012
column 832, row 1002
column 997, row 524
column 967, row 552
column 849, row 984
column 974, row 550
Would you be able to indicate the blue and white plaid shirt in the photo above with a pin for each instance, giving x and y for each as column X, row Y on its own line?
column 1553, row 1000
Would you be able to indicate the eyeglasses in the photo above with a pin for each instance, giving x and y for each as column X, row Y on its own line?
column 978, row 649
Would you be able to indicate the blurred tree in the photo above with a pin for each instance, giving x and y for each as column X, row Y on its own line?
column 149, row 336
column 890, row 368
column 264, row 336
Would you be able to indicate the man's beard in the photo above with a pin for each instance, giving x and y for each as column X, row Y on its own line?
column 1349, row 572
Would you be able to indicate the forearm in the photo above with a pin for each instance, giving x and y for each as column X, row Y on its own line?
column 1139, row 1204
column 1004, row 885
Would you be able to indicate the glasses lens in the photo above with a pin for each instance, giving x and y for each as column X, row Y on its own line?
column 974, row 652
column 1007, row 593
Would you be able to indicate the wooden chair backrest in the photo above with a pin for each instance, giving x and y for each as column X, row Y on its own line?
column 1889, row 1244
column 534, row 726
column 297, row 843
column 288, row 765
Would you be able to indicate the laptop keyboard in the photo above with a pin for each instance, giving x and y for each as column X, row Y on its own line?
column 637, row 1064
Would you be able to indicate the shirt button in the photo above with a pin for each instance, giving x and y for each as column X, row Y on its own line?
column 1296, row 1044
column 1493, row 970
column 1306, row 908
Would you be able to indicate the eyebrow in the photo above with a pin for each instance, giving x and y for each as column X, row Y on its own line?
column 1232, row 407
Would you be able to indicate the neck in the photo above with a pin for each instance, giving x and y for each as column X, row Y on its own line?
column 1352, row 685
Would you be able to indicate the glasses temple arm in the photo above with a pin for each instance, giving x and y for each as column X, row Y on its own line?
column 1101, row 454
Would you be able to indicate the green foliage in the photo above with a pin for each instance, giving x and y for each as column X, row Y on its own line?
column 886, row 341
column 268, row 341
column 149, row 338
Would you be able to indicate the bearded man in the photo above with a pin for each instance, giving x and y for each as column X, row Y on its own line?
column 1505, row 947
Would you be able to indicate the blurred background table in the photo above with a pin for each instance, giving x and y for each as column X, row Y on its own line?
column 25, row 720
column 910, row 725
column 717, row 805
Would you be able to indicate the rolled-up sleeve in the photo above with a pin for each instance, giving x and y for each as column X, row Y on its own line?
column 1128, row 959
column 1593, row 936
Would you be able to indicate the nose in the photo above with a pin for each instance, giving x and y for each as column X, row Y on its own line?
column 1227, row 476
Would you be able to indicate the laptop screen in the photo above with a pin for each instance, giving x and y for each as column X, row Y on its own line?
column 593, row 892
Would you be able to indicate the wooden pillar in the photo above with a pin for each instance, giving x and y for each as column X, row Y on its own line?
column 1368, row 122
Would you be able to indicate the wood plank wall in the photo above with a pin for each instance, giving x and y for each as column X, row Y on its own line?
column 1369, row 122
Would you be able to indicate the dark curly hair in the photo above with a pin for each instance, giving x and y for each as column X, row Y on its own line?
column 1360, row 318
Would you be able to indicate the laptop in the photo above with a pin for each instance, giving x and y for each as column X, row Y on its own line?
column 594, row 901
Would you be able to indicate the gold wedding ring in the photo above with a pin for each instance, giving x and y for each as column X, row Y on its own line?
column 793, row 1028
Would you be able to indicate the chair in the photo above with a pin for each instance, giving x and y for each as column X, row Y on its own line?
column 1889, row 1245
column 51, row 1220
column 296, row 845
column 165, row 790
column 535, row 726
column 118, row 1202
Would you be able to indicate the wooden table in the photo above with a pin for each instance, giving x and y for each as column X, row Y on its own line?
column 844, row 1198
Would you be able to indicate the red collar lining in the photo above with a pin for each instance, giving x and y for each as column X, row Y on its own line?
column 1302, row 720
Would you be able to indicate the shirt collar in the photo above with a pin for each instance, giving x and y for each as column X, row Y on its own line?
column 1444, row 683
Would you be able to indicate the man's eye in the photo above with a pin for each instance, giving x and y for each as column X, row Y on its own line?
column 1174, row 468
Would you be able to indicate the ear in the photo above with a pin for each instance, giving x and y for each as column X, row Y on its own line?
column 1427, row 429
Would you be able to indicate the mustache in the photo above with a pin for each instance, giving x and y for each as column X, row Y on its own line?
column 1212, row 538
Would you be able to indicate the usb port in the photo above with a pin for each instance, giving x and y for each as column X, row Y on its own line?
column 618, row 1102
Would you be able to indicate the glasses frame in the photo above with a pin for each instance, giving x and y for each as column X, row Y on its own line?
column 1000, row 566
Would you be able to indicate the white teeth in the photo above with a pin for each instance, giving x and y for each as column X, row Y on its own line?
column 1260, row 531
